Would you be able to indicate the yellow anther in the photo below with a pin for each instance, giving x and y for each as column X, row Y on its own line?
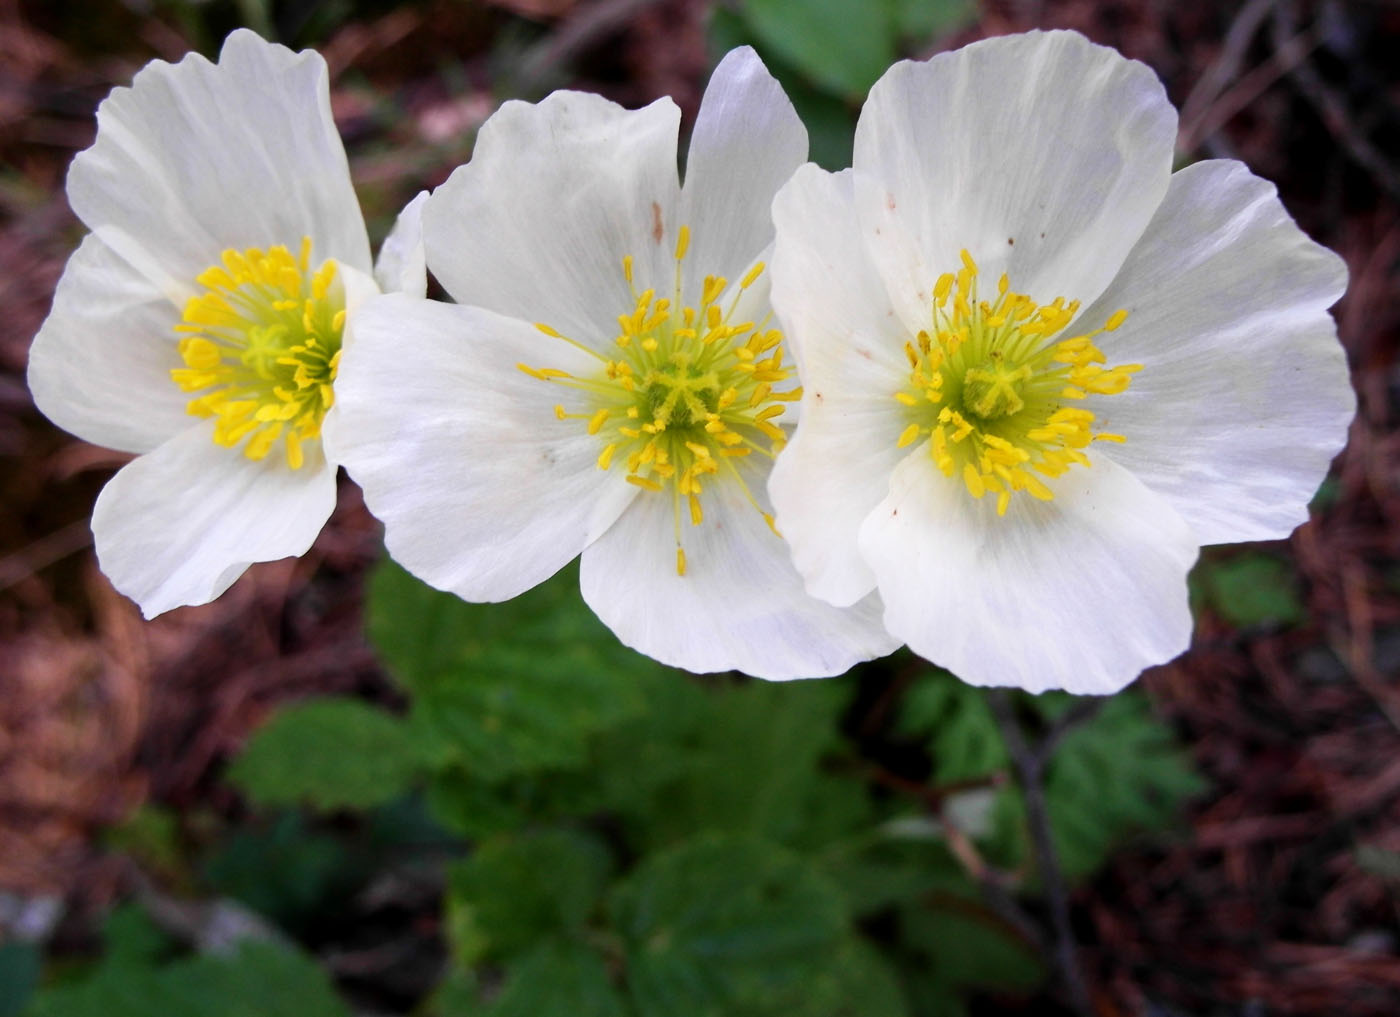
column 989, row 380
column 682, row 243
column 256, row 332
column 680, row 561
column 751, row 276
column 976, row 486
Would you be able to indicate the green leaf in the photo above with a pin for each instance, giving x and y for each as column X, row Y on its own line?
column 503, row 689
column 963, row 735
column 741, row 758
column 1119, row 773
column 284, row 871
column 726, row 926
column 19, row 975
column 331, row 753
column 964, row 945
column 858, row 983
column 132, row 939
column 843, row 46
column 921, row 20
column 261, row 979
column 555, row 978
column 1253, row 589
column 515, row 890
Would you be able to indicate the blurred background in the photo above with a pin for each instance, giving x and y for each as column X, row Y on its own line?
column 335, row 792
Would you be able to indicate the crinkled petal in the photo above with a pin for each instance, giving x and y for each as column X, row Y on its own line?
column 402, row 265
column 747, row 142
column 1244, row 396
column 483, row 491
column 100, row 365
column 1042, row 154
column 195, row 158
column 1081, row 593
column 555, row 196
column 178, row 525
column 848, row 344
column 740, row 605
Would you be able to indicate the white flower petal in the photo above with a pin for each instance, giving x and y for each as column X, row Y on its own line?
column 178, row 525
column 482, row 490
column 195, row 158
column 1042, row 154
column 739, row 606
column 402, row 265
column 848, row 345
column 556, row 194
column 100, row 365
column 747, row 142
column 1244, row 396
column 1081, row 593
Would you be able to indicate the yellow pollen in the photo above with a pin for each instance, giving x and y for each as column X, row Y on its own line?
column 261, row 347
column 683, row 391
column 989, row 382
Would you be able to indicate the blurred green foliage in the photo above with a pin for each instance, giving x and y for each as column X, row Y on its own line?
column 623, row 839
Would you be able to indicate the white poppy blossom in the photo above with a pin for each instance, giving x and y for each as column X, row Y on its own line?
column 1040, row 369
column 199, row 324
column 610, row 382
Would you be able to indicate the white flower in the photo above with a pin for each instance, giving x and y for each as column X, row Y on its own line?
column 1040, row 369
column 610, row 383
column 199, row 323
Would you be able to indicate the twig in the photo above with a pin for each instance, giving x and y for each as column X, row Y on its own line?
column 45, row 551
column 1030, row 768
column 1224, row 69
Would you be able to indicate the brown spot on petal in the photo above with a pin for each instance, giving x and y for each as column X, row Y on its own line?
column 657, row 231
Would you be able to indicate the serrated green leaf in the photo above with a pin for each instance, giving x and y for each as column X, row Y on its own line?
column 516, row 890
column 132, row 939
column 503, row 689
column 843, row 46
column 283, row 870
column 858, row 983
column 1119, row 773
column 965, row 945
column 330, row 753
column 742, row 758
column 725, row 926
column 260, row 978
column 882, row 874
column 963, row 735
column 1253, row 589
column 555, row 978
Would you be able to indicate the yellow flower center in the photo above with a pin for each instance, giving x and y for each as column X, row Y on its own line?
column 989, row 383
column 684, row 391
column 261, row 345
